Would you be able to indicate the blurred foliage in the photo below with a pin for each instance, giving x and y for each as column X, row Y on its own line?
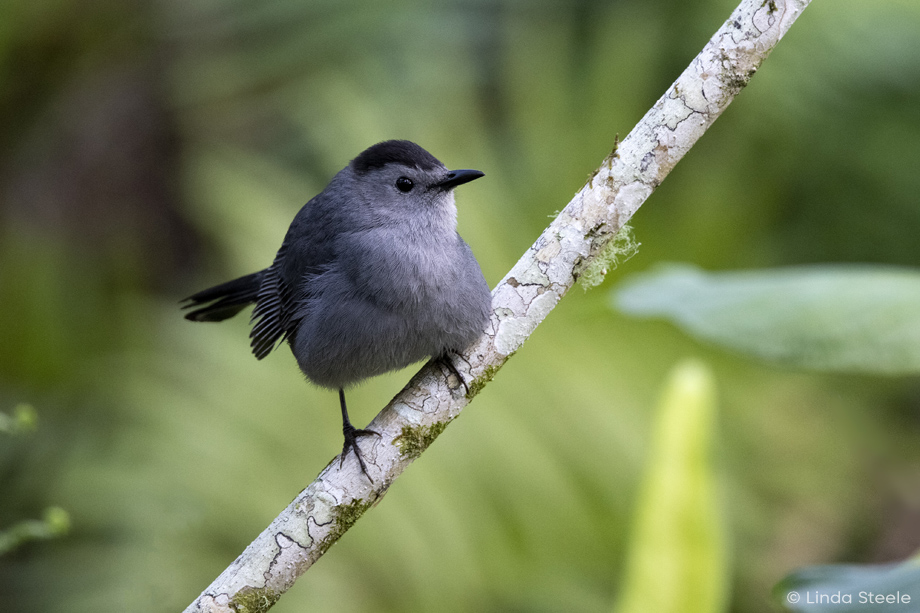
column 862, row 319
column 56, row 521
column 676, row 556
column 149, row 148
column 834, row 318
column 24, row 419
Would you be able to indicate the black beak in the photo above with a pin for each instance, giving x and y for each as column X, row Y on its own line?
column 458, row 177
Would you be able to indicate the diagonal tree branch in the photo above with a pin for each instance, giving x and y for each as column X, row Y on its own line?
column 576, row 242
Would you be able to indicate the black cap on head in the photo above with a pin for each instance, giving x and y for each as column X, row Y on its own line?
column 395, row 152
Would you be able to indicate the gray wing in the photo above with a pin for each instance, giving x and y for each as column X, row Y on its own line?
column 307, row 250
column 275, row 306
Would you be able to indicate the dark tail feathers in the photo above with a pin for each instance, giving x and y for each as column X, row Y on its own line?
column 227, row 299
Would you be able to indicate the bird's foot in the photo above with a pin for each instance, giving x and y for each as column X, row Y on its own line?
column 351, row 442
column 448, row 363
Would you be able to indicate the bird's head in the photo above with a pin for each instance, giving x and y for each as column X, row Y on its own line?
column 398, row 181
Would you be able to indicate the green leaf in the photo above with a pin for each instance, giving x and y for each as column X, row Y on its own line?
column 833, row 318
column 676, row 558
column 892, row 588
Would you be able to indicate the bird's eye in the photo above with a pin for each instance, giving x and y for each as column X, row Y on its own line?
column 404, row 184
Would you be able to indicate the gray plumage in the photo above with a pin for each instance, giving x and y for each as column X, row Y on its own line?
column 371, row 276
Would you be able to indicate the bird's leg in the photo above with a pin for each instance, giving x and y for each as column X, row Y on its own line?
column 448, row 363
column 351, row 437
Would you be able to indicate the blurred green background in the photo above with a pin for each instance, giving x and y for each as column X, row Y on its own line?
column 150, row 148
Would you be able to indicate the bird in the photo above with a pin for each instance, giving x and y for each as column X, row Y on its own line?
column 371, row 276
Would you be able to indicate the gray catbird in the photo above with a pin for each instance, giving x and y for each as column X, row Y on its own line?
column 372, row 276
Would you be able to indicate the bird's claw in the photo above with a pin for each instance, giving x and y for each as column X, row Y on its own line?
column 449, row 364
column 351, row 443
